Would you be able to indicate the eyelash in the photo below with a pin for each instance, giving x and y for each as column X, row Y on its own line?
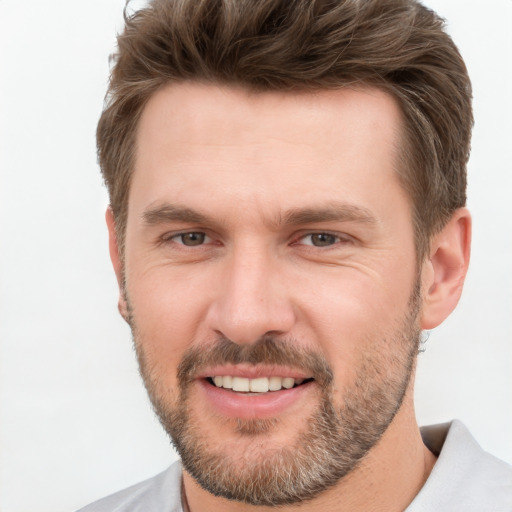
column 170, row 237
column 334, row 238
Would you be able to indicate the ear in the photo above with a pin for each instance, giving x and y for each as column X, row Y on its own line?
column 444, row 272
column 117, row 261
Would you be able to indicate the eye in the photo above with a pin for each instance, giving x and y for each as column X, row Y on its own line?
column 190, row 239
column 320, row 239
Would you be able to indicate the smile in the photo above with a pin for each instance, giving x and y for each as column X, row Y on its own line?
column 255, row 391
column 257, row 385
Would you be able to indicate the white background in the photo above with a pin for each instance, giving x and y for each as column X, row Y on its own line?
column 75, row 423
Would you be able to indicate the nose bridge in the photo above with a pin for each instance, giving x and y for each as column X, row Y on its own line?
column 252, row 300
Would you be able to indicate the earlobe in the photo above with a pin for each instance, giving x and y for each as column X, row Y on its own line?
column 117, row 261
column 444, row 272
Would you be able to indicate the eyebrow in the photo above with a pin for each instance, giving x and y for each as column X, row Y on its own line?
column 328, row 212
column 173, row 213
column 332, row 211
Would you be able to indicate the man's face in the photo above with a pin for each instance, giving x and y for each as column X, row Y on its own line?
column 269, row 244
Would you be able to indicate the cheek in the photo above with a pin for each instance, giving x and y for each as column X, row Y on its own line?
column 167, row 312
column 350, row 315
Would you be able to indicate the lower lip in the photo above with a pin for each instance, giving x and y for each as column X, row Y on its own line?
column 253, row 406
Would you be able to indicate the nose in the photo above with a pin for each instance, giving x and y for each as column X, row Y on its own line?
column 253, row 298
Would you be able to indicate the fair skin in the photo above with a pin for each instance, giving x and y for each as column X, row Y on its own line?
column 300, row 229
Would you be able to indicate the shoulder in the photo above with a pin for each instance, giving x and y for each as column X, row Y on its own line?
column 162, row 492
column 465, row 477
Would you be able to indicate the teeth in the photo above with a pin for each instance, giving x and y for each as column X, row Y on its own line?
column 274, row 383
column 259, row 385
column 226, row 382
column 240, row 384
column 288, row 382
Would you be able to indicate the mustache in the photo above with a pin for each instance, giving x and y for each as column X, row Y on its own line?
column 268, row 350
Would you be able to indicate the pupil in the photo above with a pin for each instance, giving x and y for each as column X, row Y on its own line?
column 323, row 239
column 192, row 238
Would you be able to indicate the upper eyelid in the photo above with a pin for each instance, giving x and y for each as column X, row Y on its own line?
column 178, row 232
column 169, row 235
column 337, row 234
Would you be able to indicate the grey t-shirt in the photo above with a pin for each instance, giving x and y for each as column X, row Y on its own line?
column 465, row 478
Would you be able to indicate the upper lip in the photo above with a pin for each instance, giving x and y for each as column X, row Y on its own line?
column 249, row 371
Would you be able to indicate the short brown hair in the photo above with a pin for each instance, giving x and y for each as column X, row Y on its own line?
column 397, row 45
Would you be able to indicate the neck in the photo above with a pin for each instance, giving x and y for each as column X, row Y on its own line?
column 387, row 479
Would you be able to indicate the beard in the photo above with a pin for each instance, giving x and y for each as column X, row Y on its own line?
column 335, row 438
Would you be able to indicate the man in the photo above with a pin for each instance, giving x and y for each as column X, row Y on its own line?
column 287, row 184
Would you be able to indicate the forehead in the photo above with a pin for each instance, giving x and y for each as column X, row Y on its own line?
column 188, row 112
column 201, row 140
